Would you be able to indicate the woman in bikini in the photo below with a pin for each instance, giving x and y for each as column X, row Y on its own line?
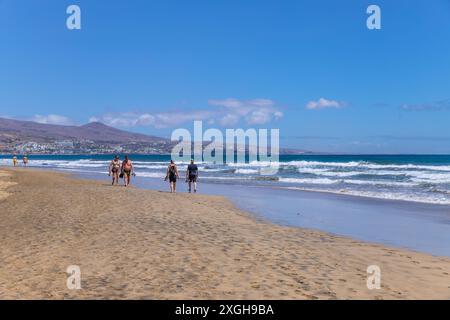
column 127, row 170
column 114, row 170
column 172, row 175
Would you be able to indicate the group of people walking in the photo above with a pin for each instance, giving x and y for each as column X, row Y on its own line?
column 15, row 161
column 124, row 169
column 121, row 169
column 191, row 176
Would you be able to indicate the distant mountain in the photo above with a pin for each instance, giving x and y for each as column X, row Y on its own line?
column 95, row 137
column 95, row 131
column 32, row 137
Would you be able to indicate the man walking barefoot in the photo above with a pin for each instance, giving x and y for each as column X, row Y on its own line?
column 127, row 171
column 191, row 176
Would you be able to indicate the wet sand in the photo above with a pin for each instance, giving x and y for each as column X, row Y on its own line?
column 138, row 244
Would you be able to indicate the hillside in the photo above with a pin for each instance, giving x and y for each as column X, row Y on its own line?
column 95, row 131
column 95, row 137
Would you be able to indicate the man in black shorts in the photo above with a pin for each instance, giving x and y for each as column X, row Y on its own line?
column 191, row 175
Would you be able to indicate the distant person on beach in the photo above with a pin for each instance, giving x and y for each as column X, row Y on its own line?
column 127, row 170
column 172, row 175
column 25, row 161
column 114, row 170
column 15, row 161
column 191, row 176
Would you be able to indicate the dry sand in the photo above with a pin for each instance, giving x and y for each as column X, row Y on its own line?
column 5, row 182
column 132, row 243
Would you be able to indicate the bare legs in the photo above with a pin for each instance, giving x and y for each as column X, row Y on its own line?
column 126, row 179
column 195, row 186
column 115, row 178
column 173, row 187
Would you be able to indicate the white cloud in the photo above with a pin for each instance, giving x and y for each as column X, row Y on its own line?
column 228, row 103
column 323, row 103
column 261, row 103
column 254, row 112
column 157, row 120
column 229, row 120
column 262, row 116
column 227, row 112
column 52, row 119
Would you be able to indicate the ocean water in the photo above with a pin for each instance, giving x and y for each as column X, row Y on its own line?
column 416, row 178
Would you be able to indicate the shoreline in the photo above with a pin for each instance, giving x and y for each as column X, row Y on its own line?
column 326, row 212
column 365, row 219
column 366, row 197
column 136, row 244
column 346, row 192
column 284, row 188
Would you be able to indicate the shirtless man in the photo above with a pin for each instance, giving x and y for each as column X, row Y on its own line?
column 114, row 170
column 127, row 170
column 25, row 161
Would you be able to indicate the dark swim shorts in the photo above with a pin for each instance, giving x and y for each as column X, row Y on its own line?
column 127, row 172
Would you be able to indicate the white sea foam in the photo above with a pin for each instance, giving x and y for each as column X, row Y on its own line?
column 422, row 183
column 151, row 167
column 70, row 164
column 309, row 181
column 350, row 164
column 213, row 170
column 345, row 181
column 379, row 183
column 247, row 171
column 235, row 178
column 151, row 174
column 426, row 177
column 441, row 200
column 303, row 166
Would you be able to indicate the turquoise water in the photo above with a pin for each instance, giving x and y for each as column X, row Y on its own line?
column 418, row 178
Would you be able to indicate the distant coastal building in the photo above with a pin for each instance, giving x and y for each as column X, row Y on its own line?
column 65, row 144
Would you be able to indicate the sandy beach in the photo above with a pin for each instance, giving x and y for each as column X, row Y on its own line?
column 132, row 243
column 5, row 182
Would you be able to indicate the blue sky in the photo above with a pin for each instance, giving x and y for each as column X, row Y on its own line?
column 310, row 68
